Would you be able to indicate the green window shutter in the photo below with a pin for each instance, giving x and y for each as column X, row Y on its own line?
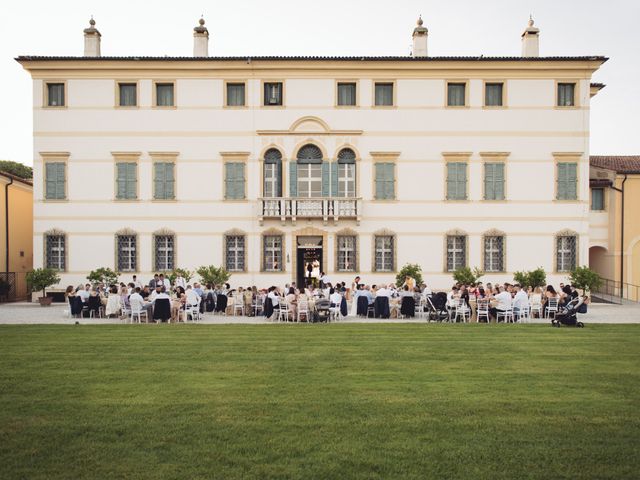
column 498, row 179
column 54, row 181
column 489, row 185
column 240, row 180
column 121, row 180
column 131, row 180
column 572, row 181
column 293, row 179
column 234, row 181
column 334, row 179
column 325, row 179
column 159, row 181
column 385, row 181
column 169, row 181
column 390, row 182
column 379, row 181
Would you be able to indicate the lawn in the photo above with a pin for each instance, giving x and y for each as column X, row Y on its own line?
column 319, row 402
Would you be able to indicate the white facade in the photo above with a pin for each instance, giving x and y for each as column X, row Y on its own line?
column 419, row 134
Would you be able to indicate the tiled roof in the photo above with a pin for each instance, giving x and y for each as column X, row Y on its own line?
column 617, row 163
column 16, row 178
column 481, row 58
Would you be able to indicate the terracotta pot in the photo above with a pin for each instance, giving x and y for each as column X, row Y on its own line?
column 45, row 301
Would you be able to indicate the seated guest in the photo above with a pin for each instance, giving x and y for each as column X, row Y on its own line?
column 383, row 292
column 520, row 300
column 450, row 296
column 124, row 297
column 192, row 296
column 504, row 303
column 84, row 293
column 155, row 292
column 292, row 301
column 113, row 306
column 137, row 303
column 153, row 282
column 406, row 292
column 426, row 290
column 162, row 306
column 464, row 295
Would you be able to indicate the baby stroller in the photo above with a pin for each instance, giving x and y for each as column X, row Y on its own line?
column 322, row 310
column 568, row 314
column 437, row 305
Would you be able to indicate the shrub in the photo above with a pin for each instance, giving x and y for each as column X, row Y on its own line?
column 212, row 274
column 103, row 275
column 41, row 279
column 413, row 270
column 466, row 276
column 533, row 278
column 585, row 279
column 186, row 274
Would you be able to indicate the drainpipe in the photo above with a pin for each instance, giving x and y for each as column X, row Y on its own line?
column 621, row 190
column 6, row 219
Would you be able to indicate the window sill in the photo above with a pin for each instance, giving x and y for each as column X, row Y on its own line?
column 164, row 107
column 235, row 107
column 55, row 200
column 54, row 107
column 384, row 107
column 494, row 107
column 457, row 107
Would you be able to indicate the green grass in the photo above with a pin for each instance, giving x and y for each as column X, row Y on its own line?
column 325, row 402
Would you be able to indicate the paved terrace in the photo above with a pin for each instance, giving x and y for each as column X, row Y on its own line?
column 33, row 314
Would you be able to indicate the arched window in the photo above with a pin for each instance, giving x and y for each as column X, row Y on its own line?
column 346, row 173
column 309, row 172
column 272, row 173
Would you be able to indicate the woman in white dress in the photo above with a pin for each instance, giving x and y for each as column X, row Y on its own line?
column 113, row 306
column 354, row 300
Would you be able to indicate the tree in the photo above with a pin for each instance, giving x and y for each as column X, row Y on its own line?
column 533, row 278
column 411, row 269
column 585, row 279
column 17, row 169
column 41, row 279
column 212, row 274
column 466, row 276
column 103, row 275
column 186, row 274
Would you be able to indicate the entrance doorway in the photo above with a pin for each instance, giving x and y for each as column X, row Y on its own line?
column 309, row 261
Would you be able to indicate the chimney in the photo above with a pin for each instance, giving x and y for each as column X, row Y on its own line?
column 531, row 40
column 200, row 40
column 92, row 40
column 420, row 35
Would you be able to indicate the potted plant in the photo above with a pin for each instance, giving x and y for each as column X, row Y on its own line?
column 41, row 279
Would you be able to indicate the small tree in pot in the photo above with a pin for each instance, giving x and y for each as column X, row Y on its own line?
column 212, row 274
column 41, row 279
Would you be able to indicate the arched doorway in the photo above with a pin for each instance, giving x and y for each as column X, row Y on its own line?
column 601, row 262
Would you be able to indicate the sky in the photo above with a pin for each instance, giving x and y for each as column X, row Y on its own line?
column 330, row 27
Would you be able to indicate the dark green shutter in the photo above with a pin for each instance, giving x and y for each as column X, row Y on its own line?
column 159, row 180
column 379, row 181
column 489, row 186
column 293, row 179
column 334, row 179
column 498, row 179
column 572, row 181
column 325, row 179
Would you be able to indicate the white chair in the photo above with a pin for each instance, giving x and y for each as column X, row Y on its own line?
column 238, row 306
column 524, row 314
column 257, row 306
column 303, row 310
column 139, row 313
column 482, row 310
column 535, row 305
column 283, row 311
column 552, row 307
column 462, row 310
column 506, row 315
column 334, row 313
column 421, row 308
column 192, row 310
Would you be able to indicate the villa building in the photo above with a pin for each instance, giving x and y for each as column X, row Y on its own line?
column 268, row 164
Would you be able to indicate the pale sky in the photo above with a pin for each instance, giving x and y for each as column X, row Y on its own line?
column 330, row 27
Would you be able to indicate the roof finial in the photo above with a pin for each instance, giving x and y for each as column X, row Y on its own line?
column 201, row 21
column 92, row 22
column 420, row 22
column 530, row 20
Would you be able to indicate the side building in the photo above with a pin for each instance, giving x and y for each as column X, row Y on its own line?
column 268, row 164
column 614, row 237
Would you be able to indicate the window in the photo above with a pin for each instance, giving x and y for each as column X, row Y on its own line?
column 127, row 253
column 456, row 252
column 272, row 94
column 346, row 173
column 312, row 175
column 55, row 95
column 164, row 251
column 494, row 253
column 55, row 252
column 494, row 181
column 347, row 94
column 127, row 94
column 235, row 94
column 272, row 173
column 567, row 188
column 597, row 199
column 234, row 253
column 456, row 181
column 164, row 95
column 566, row 246
column 566, row 94
column 272, row 252
column 456, row 94
column 234, row 180
column 163, row 181
column 385, row 181
column 384, row 254
column 493, row 94
column 126, row 180
column 346, row 253
column 55, row 188
column 384, row 94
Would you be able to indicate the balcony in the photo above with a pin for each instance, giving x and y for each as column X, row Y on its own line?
column 325, row 208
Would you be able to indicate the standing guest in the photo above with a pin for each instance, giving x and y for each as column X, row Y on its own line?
column 324, row 280
column 180, row 281
column 453, row 293
column 464, row 295
column 409, row 282
column 163, row 282
column 154, row 282
column 136, row 282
